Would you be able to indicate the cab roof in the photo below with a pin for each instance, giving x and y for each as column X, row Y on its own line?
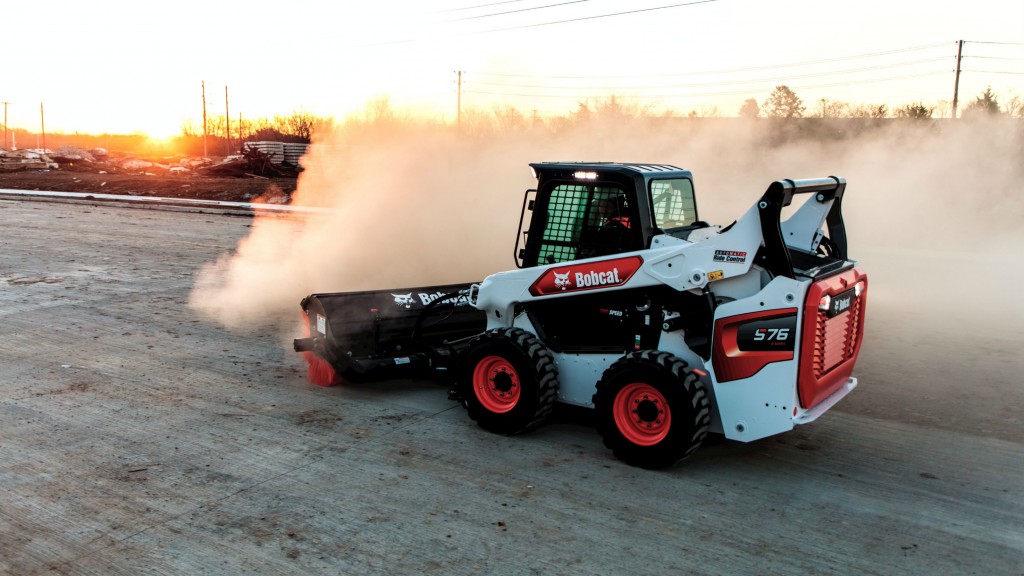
column 555, row 169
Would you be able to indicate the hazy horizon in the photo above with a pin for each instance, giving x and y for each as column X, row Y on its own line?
column 116, row 66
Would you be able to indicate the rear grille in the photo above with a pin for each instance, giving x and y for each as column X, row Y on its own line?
column 830, row 346
column 835, row 339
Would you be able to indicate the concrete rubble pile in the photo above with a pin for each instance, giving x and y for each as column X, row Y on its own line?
column 13, row 160
column 257, row 159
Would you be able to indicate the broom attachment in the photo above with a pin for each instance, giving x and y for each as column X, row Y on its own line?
column 318, row 371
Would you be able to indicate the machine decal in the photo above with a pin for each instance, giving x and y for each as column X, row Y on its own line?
column 461, row 300
column 587, row 276
column 730, row 256
column 404, row 300
column 562, row 280
column 840, row 303
column 715, row 275
column 745, row 343
column 417, row 300
column 770, row 334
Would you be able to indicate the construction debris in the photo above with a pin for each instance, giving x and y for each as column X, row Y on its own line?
column 261, row 159
column 13, row 160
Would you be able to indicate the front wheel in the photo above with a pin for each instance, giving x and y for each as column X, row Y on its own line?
column 508, row 381
column 651, row 409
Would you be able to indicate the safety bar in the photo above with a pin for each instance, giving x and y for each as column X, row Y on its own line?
column 775, row 257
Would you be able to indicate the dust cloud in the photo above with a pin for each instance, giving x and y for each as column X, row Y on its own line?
column 417, row 203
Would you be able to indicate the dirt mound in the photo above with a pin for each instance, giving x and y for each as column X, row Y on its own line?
column 168, row 184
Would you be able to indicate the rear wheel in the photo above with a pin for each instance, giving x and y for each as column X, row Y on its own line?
column 508, row 381
column 651, row 410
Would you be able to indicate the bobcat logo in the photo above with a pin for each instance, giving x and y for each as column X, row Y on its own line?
column 562, row 280
column 404, row 300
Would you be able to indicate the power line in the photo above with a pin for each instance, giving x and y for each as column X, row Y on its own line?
column 551, row 23
column 995, row 58
column 731, row 82
column 999, row 43
column 514, row 11
column 715, row 93
column 583, row 18
column 465, row 8
column 993, row 72
column 730, row 70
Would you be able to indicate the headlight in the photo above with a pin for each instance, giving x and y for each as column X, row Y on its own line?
column 824, row 303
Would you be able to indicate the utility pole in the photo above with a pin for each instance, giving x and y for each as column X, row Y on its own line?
column 227, row 119
column 205, row 153
column 5, row 123
column 459, row 102
column 956, row 80
column 42, row 125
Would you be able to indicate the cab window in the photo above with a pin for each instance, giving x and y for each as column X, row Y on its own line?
column 586, row 221
column 672, row 203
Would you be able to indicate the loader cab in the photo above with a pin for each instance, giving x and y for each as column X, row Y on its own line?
column 589, row 210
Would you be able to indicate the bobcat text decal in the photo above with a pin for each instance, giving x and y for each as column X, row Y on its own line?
column 574, row 277
column 421, row 299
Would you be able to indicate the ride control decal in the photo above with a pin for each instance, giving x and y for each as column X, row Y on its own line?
column 589, row 276
column 730, row 256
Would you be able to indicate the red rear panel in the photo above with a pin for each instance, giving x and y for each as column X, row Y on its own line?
column 832, row 337
column 746, row 343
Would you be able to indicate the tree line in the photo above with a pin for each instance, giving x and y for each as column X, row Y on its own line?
column 783, row 102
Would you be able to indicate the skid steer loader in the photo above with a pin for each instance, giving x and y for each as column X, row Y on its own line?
column 625, row 302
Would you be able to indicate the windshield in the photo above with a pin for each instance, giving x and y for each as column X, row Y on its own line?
column 672, row 203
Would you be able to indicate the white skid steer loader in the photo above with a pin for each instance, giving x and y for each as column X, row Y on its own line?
column 627, row 303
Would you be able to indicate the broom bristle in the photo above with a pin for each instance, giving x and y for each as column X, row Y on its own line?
column 320, row 372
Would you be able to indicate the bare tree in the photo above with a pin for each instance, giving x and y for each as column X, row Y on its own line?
column 915, row 110
column 869, row 111
column 1015, row 107
column 616, row 107
column 832, row 108
column 379, row 110
column 188, row 129
column 509, row 118
column 705, row 111
column 301, row 124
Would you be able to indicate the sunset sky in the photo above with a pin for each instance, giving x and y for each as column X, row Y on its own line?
column 121, row 67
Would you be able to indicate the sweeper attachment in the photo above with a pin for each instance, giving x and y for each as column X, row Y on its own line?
column 625, row 302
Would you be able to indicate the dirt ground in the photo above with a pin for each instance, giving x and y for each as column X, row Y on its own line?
column 241, row 189
column 140, row 439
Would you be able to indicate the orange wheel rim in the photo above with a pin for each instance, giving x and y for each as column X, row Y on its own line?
column 496, row 384
column 642, row 414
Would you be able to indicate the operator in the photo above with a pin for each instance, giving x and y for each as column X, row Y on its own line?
column 609, row 231
column 611, row 212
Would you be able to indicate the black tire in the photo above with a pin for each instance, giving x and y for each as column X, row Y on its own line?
column 651, row 410
column 508, row 381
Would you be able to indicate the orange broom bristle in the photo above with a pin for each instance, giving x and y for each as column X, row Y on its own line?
column 320, row 372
